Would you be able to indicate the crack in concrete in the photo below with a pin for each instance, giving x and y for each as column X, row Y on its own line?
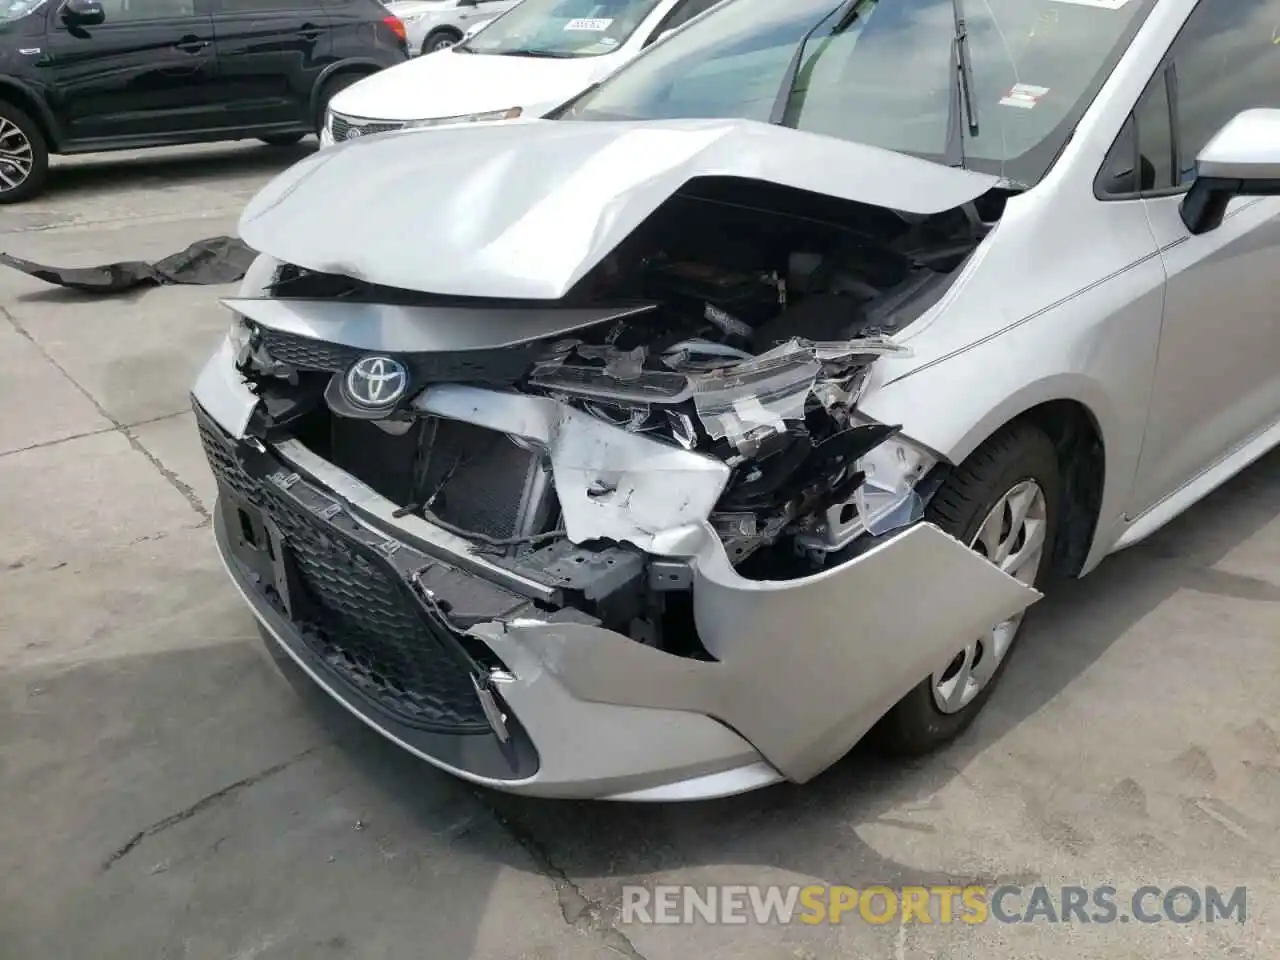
column 40, row 445
column 125, row 430
column 578, row 910
column 204, row 803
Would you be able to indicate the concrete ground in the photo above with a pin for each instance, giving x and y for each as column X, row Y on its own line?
column 165, row 793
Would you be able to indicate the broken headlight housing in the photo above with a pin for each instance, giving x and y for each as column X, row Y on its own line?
column 886, row 500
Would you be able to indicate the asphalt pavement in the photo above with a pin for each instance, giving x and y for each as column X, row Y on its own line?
column 166, row 792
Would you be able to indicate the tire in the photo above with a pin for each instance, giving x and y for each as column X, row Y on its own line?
column 1021, row 452
column 282, row 139
column 24, row 160
column 440, row 39
column 332, row 87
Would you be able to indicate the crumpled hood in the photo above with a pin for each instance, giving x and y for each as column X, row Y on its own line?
column 526, row 209
column 450, row 84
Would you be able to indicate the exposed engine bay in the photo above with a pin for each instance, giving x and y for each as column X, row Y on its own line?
column 739, row 323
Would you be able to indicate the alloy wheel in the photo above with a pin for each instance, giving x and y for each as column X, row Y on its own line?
column 1012, row 536
column 443, row 43
column 16, row 156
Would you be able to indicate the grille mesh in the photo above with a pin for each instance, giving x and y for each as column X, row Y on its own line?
column 342, row 127
column 368, row 629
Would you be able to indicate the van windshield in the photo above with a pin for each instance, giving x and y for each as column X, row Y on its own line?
column 880, row 72
column 561, row 28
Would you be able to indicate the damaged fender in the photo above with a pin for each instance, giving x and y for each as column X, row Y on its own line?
column 804, row 667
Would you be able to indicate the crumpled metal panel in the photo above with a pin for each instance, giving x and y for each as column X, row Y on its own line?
column 526, row 209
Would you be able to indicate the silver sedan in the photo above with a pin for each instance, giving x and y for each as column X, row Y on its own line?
column 746, row 406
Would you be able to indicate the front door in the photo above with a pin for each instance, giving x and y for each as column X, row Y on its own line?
column 270, row 54
column 1217, row 380
column 147, row 72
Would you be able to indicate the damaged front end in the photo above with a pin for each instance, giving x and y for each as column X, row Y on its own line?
column 638, row 542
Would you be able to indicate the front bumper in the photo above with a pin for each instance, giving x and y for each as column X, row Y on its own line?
column 802, row 668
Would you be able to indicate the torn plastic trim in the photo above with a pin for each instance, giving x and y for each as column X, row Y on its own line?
column 803, row 668
column 611, row 483
column 222, row 391
column 741, row 400
column 886, row 500
column 400, row 328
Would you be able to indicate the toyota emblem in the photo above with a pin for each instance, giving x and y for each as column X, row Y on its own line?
column 354, row 132
column 377, row 382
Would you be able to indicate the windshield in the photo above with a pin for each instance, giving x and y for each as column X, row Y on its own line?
column 886, row 79
column 562, row 28
column 13, row 9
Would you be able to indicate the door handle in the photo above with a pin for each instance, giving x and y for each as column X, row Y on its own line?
column 310, row 32
column 191, row 45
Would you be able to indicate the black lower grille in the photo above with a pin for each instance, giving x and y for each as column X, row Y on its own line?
column 344, row 129
column 357, row 614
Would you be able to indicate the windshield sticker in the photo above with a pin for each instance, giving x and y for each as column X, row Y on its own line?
column 591, row 24
column 1102, row 4
column 1023, row 95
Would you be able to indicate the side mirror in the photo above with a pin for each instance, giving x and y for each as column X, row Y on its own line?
column 83, row 13
column 1242, row 160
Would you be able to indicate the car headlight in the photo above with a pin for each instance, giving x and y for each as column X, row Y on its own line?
column 511, row 113
column 408, row 18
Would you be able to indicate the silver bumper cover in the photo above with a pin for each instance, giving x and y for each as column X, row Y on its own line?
column 803, row 668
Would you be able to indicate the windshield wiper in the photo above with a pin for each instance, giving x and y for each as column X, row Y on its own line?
column 961, row 91
column 545, row 54
column 847, row 12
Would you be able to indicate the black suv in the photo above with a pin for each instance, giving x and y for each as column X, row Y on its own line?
column 78, row 76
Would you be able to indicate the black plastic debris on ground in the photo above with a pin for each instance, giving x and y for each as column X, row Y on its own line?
column 216, row 260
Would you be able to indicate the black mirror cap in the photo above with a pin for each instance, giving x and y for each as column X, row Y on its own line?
column 1205, row 205
column 84, row 13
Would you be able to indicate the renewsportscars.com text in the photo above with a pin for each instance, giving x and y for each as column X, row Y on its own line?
column 820, row 904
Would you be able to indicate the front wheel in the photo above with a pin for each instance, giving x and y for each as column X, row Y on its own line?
column 1003, row 501
column 24, row 155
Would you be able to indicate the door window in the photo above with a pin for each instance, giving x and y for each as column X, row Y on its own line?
column 267, row 6
column 1225, row 59
column 131, row 11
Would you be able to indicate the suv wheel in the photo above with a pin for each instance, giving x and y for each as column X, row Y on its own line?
column 441, row 39
column 24, row 155
column 282, row 139
column 1003, row 501
column 334, row 86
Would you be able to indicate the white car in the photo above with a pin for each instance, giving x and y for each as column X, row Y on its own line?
column 433, row 25
column 534, row 58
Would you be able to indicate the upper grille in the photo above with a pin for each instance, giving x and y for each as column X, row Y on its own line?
column 306, row 353
column 502, row 365
column 342, row 127
column 366, row 628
